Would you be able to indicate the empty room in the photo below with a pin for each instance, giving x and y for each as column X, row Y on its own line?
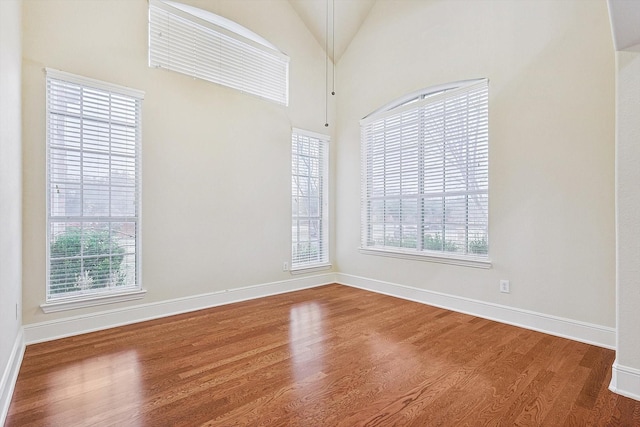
column 319, row 212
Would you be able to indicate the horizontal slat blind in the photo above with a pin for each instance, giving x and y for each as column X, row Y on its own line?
column 93, row 163
column 309, row 199
column 186, row 43
column 425, row 174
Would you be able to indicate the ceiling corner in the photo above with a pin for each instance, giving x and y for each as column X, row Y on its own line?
column 342, row 24
column 625, row 24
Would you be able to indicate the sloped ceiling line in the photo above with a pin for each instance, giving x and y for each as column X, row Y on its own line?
column 625, row 24
column 348, row 17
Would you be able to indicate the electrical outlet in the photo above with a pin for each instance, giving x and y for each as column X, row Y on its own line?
column 285, row 266
column 504, row 286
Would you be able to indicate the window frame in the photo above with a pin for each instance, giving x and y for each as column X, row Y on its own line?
column 323, row 147
column 416, row 102
column 55, row 81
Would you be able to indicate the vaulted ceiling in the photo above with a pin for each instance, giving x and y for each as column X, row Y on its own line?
column 350, row 14
column 625, row 22
column 320, row 15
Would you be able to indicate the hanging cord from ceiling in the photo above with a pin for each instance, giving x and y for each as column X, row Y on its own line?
column 333, row 45
column 326, row 66
column 326, row 60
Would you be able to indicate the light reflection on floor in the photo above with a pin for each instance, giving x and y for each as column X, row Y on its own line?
column 306, row 341
column 101, row 390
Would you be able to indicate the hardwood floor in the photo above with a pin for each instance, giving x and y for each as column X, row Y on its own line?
column 329, row 356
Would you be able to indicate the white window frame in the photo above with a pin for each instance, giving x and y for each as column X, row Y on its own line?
column 399, row 137
column 309, row 162
column 204, row 45
column 78, row 132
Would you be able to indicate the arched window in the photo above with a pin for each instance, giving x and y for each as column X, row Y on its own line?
column 201, row 44
column 425, row 174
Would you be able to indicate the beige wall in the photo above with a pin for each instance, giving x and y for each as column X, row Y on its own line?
column 212, row 155
column 10, row 189
column 216, row 162
column 628, row 214
column 551, row 71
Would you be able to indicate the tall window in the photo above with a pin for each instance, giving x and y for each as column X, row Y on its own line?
column 201, row 44
column 425, row 173
column 93, row 180
column 309, row 199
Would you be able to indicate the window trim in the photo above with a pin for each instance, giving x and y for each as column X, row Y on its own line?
column 311, row 269
column 326, row 264
column 89, row 299
column 73, row 303
column 465, row 261
column 416, row 100
column 406, row 101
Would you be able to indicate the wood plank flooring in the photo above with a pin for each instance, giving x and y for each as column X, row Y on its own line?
column 329, row 356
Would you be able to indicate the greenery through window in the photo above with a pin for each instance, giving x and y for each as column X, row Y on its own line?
column 93, row 147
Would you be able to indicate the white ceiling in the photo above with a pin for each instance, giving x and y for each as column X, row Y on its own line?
column 348, row 16
column 625, row 23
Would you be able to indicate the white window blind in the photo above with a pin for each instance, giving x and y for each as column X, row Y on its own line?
column 93, row 186
column 425, row 173
column 201, row 44
column 309, row 199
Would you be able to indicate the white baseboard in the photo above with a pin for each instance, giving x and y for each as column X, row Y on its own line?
column 625, row 381
column 567, row 328
column 589, row 333
column 10, row 376
column 69, row 326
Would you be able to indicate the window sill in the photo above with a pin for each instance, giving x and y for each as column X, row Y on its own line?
column 442, row 259
column 73, row 303
column 310, row 269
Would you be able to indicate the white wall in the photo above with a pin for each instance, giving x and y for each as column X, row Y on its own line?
column 626, row 370
column 216, row 162
column 551, row 70
column 10, row 198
